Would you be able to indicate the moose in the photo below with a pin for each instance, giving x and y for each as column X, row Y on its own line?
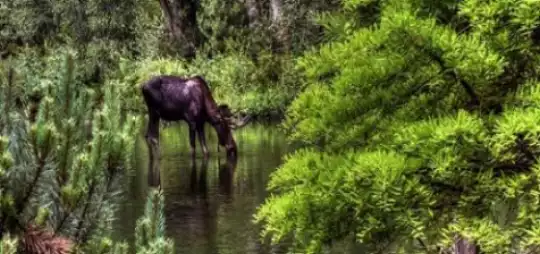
column 175, row 98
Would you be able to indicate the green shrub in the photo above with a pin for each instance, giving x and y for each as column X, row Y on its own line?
column 417, row 130
column 64, row 148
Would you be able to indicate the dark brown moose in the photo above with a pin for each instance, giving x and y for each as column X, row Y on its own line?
column 174, row 98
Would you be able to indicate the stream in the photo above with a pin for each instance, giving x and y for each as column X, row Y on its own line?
column 209, row 204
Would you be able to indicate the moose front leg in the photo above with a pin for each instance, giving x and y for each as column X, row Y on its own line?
column 152, row 140
column 202, row 139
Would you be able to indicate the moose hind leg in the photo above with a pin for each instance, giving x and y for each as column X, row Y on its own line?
column 192, row 138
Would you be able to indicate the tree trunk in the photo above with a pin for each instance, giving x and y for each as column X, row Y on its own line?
column 253, row 13
column 462, row 246
column 277, row 17
column 169, row 19
column 181, row 19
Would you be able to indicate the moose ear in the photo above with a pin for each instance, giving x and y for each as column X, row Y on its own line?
column 224, row 110
column 223, row 107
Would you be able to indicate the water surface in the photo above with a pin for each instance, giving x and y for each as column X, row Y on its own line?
column 209, row 204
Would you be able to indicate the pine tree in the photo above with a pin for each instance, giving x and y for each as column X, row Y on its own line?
column 150, row 229
column 63, row 150
column 8, row 245
column 420, row 129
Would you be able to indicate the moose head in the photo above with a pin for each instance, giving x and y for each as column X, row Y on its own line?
column 229, row 121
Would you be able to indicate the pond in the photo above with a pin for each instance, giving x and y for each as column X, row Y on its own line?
column 208, row 207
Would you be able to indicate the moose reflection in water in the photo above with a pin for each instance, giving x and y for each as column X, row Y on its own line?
column 199, row 186
column 226, row 173
column 192, row 212
column 174, row 98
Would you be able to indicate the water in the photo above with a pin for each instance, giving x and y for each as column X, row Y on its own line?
column 209, row 205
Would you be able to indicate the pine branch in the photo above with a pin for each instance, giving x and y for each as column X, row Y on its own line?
column 468, row 88
column 435, row 56
column 7, row 98
column 61, row 224
column 401, row 102
column 67, row 215
column 85, row 210
column 67, row 85
column 63, row 174
column 86, row 235
column 515, row 167
column 424, row 246
column 33, row 184
column 524, row 148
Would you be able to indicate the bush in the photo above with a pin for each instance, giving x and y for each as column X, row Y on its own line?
column 416, row 133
